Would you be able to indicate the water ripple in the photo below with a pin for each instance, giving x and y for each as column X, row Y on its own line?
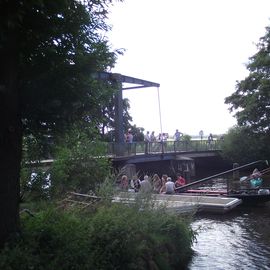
column 237, row 241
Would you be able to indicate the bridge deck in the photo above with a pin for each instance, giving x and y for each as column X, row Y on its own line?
column 163, row 150
column 140, row 151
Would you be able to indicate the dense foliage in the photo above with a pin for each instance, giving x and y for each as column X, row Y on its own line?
column 60, row 44
column 116, row 237
column 251, row 100
column 49, row 51
column 80, row 165
column 243, row 146
column 107, row 127
column 249, row 140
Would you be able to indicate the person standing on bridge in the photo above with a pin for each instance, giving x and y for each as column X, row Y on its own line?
column 129, row 137
column 147, row 141
column 177, row 135
column 129, row 140
column 153, row 137
column 210, row 140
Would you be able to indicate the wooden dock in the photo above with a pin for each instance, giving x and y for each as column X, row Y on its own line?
column 186, row 203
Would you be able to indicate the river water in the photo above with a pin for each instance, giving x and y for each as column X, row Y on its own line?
column 239, row 239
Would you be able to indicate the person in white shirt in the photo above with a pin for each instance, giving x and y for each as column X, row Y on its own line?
column 147, row 141
column 145, row 185
column 170, row 187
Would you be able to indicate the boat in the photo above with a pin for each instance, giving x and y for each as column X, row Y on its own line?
column 251, row 196
column 248, row 196
column 259, row 195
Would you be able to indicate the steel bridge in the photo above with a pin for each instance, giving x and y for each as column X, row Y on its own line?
column 158, row 157
column 121, row 150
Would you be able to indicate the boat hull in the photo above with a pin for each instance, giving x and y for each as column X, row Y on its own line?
column 252, row 198
column 247, row 196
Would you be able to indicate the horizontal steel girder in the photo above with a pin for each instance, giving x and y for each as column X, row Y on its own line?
column 125, row 79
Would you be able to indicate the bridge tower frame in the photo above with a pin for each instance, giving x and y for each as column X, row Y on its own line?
column 120, row 80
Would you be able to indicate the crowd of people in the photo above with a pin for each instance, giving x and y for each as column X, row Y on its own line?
column 153, row 141
column 154, row 184
column 162, row 137
column 150, row 138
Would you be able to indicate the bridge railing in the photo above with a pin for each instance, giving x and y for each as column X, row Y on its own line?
column 139, row 148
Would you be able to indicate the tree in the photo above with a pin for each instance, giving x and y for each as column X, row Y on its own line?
column 241, row 145
column 108, row 119
column 251, row 100
column 48, row 50
column 81, row 164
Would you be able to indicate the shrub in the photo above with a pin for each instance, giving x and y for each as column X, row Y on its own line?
column 113, row 237
column 50, row 240
column 129, row 238
column 34, row 180
column 80, row 163
column 35, row 185
column 242, row 145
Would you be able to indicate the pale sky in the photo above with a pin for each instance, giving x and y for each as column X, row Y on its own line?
column 195, row 49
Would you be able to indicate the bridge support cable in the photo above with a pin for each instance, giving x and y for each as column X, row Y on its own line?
column 159, row 109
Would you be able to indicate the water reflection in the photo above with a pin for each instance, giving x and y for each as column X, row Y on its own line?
column 236, row 240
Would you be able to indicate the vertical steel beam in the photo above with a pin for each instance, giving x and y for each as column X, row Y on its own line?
column 119, row 127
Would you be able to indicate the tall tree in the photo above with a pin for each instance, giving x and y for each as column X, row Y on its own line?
column 251, row 100
column 108, row 119
column 241, row 145
column 48, row 50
